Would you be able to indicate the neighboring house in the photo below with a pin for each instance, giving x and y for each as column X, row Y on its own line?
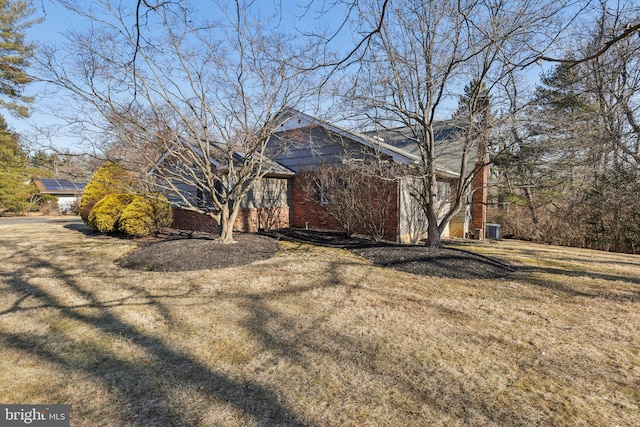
column 67, row 192
column 303, row 144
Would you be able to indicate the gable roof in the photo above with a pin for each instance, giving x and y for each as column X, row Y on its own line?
column 393, row 142
column 448, row 144
column 218, row 151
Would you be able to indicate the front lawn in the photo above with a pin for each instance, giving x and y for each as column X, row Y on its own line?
column 317, row 336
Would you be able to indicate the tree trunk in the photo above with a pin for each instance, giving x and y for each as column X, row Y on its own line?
column 227, row 220
column 433, row 231
column 433, row 235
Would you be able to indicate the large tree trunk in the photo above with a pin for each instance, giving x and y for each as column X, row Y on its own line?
column 227, row 220
column 433, row 234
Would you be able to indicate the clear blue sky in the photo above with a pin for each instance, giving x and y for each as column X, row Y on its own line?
column 57, row 20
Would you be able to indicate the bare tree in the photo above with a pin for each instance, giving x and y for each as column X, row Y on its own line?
column 415, row 66
column 163, row 77
column 356, row 195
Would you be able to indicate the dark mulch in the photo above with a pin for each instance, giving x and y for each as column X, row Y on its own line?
column 416, row 259
column 186, row 252
column 179, row 251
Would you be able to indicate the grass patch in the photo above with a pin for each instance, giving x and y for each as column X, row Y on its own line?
column 317, row 336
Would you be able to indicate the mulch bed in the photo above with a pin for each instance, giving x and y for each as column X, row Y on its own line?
column 416, row 259
column 179, row 251
column 187, row 252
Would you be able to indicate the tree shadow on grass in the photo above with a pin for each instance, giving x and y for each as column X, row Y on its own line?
column 379, row 364
column 622, row 289
column 415, row 259
column 142, row 391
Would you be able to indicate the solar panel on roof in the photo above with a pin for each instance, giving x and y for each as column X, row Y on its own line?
column 61, row 185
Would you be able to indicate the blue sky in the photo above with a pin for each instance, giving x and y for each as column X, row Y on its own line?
column 57, row 20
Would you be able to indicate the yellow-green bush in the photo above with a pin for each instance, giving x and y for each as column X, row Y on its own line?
column 145, row 214
column 109, row 179
column 106, row 213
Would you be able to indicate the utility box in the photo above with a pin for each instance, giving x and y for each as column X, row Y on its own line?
column 493, row 231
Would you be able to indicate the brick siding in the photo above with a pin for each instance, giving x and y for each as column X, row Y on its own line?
column 249, row 220
column 308, row 213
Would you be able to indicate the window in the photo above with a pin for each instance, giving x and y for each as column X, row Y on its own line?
column 321, row 191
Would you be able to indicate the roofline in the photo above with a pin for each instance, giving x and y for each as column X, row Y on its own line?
column 396, row 153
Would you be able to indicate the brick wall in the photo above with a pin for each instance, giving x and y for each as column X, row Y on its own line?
column 479, row 192
column 308, row 213
column 251, row 220
column 248, row 220
column 187, row 220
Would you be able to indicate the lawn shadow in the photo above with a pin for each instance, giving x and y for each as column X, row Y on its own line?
column 310, row 335
column 81, row 227
column 562, row 284
column 415, row 259
column 140, row 390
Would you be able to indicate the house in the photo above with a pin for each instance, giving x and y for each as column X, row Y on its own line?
column 302, row 144
column 266, row 205
column 67, row 192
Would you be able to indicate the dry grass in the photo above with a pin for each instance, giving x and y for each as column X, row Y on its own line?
column 317, row 336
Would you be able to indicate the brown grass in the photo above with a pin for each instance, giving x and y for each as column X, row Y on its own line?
column 317, row 336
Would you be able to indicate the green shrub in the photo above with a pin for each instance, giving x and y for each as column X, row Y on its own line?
column 109, row 179
column 146, row 214
column 106, row 213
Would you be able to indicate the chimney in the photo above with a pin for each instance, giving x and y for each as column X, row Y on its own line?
column 480, row 179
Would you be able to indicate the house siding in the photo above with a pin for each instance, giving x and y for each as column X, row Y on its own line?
column 249, row 220
column 413, row 223
column 265, row 207
column 307, row 148
column 307, row 213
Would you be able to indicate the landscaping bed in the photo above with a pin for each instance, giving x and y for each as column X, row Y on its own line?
column 180, row 251
column 416, row 259
column 175, row 251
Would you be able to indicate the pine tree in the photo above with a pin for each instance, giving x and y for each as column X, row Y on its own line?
column 15, row 53
column 14, row 177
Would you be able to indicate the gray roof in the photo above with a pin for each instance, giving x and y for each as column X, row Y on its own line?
column 219, row 151
column 396, row 144
column 448, row 144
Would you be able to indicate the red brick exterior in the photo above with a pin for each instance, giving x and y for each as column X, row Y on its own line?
column 479, row 188
column 309, row 214
column 248, row 220
column 187, row 220
column 252, row 220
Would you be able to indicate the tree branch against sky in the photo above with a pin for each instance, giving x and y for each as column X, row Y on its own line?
column 424, row 55
column 207, row 91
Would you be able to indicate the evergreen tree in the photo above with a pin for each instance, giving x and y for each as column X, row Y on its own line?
column 474, row 102
column 15, row 53
column 16, row 190
column 109, row 179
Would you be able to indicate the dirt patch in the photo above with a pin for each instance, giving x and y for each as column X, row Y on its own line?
column 176, row 252
column 416, row 259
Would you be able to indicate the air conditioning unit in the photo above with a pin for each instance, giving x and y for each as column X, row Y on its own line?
column 493, row 231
